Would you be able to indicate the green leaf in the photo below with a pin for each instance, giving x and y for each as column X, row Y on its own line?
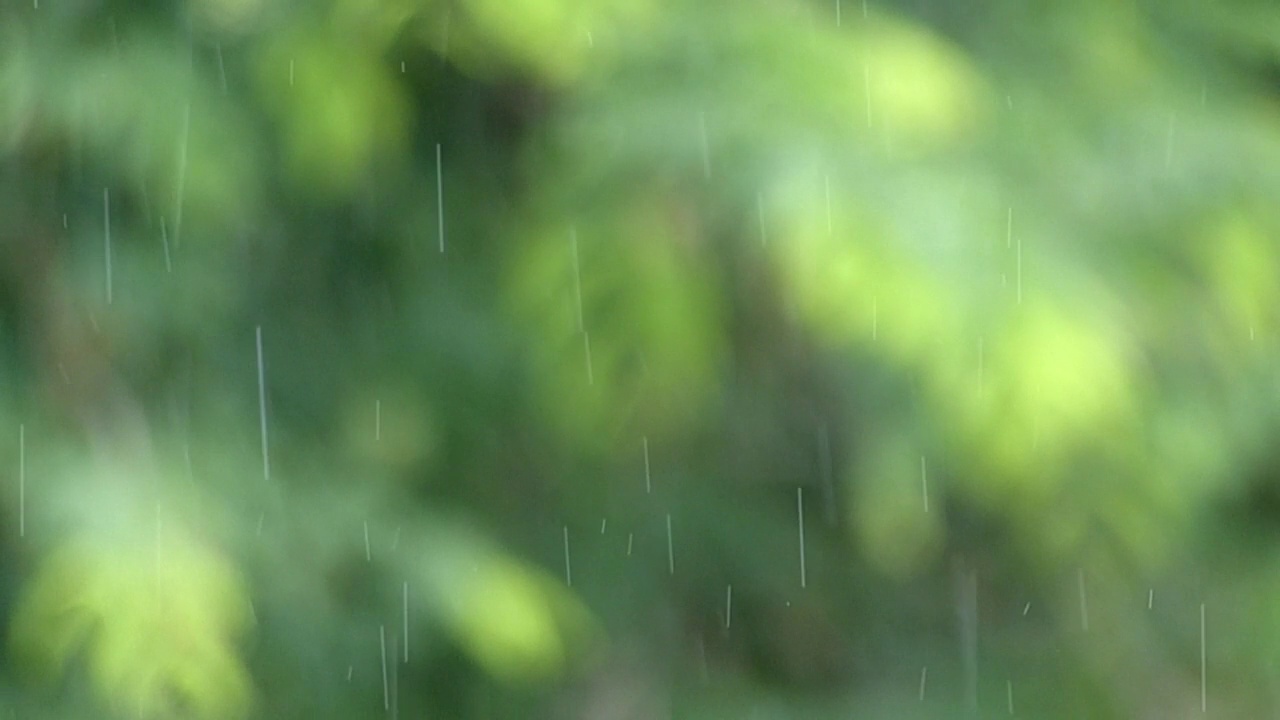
column 158, row 624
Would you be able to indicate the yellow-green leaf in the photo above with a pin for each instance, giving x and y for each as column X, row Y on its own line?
column 338, row 109
column 158, row 624
column 650, row 343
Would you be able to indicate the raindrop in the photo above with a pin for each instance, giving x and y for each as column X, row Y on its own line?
column 1204, row 666
column 577, row 276
column 444, row 36
column 671, row 557
column 440, row 196
column 164, row 240
column 924, row 483
column 394, row 694
column 262, row 408
column 706, row 149
column 222, row 70
column 800, row 513
column 386, row 689
column 22, row 480
column 182, row 175
column 106, row 223
column 568, row 569
column 648, row 481
column 1019, row 273
column 1084, row 602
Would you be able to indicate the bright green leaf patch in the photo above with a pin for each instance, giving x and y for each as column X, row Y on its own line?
column 1244, row 276
column 517, row 622
column 337, row 108
column 650, row 345
column 557, row 41
column 921, row 90
column 157, row 625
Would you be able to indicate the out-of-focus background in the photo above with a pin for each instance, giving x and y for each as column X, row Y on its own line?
column 629, row 359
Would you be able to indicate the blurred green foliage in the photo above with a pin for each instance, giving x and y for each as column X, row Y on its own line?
column 633, row 359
